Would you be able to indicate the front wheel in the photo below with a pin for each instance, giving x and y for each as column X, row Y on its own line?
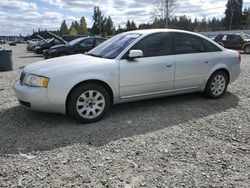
column 88, row 103
column 217, row 84
column 247, row 49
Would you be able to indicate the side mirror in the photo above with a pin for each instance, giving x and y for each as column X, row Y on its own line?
column 135, row 53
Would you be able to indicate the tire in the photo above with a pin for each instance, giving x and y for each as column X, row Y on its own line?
column 62, row 54
column 88, row 103
column 216, row 86
column 247, row 49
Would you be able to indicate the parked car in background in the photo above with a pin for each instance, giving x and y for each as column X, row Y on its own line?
column 33, row 40
column 48, row 44
column 2, row 42
column 33, row 45
column 79, row 45
column 131, row 66
column 12, row 43
column 234, row 41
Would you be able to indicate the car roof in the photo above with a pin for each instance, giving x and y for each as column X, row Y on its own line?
column 151, row 31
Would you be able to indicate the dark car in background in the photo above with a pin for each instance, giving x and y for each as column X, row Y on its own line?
column 234, row 41
column 79, row 45
column 12, row 43
column 48, row 44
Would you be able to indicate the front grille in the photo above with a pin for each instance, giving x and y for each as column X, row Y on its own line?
column 22, row 78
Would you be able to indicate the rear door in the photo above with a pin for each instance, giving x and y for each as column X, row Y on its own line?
column 234, row 41
column 192, row 61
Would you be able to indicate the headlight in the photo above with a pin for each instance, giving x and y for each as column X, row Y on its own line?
column 36, row 81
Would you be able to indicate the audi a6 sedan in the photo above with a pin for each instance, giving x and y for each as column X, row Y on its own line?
column 131, row 66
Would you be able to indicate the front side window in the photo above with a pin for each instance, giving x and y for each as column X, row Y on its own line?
column 98, row 41
column 187, row 43
column 57, row 42
column 87, row 43
column 158, row 44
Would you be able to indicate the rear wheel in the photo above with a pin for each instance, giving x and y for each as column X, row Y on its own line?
column 88, row 103
column 217, row 84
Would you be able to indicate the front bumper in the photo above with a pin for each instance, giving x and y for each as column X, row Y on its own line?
column 35, row 98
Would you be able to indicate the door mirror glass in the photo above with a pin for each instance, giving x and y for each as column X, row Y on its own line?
column 135, row 53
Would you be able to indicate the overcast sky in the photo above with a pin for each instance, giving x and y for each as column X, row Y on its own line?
column 22, row 16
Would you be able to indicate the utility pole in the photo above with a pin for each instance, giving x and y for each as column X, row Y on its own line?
column 231, row 20
column 167, row 12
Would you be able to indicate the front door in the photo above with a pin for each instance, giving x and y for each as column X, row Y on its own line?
column 151, row 74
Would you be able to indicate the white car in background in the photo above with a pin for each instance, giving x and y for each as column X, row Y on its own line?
column 131, row 66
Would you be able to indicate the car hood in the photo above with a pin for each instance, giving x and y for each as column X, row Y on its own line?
column 62, row 65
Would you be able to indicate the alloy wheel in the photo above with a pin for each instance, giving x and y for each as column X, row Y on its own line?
column 90, row 104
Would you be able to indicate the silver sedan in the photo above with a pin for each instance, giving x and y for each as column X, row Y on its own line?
column 131, row 66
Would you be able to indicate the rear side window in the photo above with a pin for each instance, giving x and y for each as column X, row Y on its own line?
column 158, row 44
column 210, row 47
column 187, row 43
column 230, row 37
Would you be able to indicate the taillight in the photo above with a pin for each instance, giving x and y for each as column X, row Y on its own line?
column 239, row 57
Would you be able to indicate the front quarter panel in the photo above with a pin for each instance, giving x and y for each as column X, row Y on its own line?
column 61, row 85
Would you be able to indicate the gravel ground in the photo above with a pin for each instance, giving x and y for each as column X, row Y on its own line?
column 180, row 141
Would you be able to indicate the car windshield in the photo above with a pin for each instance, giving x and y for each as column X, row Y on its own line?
column 75, row 41
column 114, row 46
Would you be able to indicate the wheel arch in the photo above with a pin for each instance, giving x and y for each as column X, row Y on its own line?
column 246, row 44
column 93, row 81
column 224, row 69
column 221, row 69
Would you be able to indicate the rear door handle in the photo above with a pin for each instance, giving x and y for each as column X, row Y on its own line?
column 207, row 61
column 169, row 65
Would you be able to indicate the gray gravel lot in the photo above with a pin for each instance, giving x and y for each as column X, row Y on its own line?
column 180, row 141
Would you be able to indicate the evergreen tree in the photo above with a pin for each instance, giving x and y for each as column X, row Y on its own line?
column 233, row 14
column 98, row 21
column 128, row 26
column 73, row 29
column 64, row 29
column 83, row 26
column 77, row 27
column 109, row 26
column 133, row 26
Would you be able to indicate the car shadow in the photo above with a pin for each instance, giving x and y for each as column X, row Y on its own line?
column 27, row 131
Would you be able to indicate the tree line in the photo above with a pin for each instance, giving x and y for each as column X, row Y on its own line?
column 234, row 19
